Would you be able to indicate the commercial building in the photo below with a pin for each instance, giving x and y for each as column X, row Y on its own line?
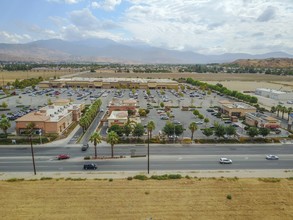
column 108, row 83
column 274, row 94
column 122, row 105
column 54, row 118
column 118, row 118
column 261, row 120
column 237, row 109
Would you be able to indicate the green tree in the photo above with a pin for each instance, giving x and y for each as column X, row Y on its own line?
column 49, row 102
column 148, row 92
column 230, row 130
column 138, row 130
column 195, row 112
column 263, row 131
column 200, row 116
column 5, row 124
column 162, row 104
column 208, row 132
column 252, row 132
column 142, row 112
column 127, row 129
column 283, row 110
column 192, row 127
column 169, row 128
column 278, row 109
column 96, row 138
column 4, row 105
column 289, row 110
column 112, row 139
column 150, row 127
column 179, row 129
column 206, row 121
column 117, row 129
column 219, row 130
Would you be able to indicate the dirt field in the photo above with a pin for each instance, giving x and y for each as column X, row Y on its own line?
column 151, row 199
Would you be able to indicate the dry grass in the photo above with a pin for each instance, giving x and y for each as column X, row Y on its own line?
column 135, row 199
column 10, row 76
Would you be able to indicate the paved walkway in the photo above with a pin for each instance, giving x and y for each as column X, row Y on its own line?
column 122, row 175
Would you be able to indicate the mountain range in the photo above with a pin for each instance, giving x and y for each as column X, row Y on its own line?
column 105, row 50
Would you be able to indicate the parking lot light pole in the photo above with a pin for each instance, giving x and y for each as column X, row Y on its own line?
column 148, row 151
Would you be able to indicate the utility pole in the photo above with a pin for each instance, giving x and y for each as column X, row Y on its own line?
column 33, row 156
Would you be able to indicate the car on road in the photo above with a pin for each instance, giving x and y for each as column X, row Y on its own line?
column 90, row 166
column 272, row 157
column 63, row 156
column 224, row 160
column 199, row 122
column 84, row 147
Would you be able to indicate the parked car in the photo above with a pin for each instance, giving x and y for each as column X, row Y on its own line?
column 176, row 122
column 224, row 160
column 90, row 166
column 272, row 157
column 199, row 122
column 164, row 118
column 84, row 147
column 63, row 156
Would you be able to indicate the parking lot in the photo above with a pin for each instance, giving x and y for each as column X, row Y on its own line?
column 29, row 100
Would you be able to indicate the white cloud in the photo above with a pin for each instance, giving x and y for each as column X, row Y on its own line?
column 212, row 26
column 6, row 37
column 66, row 1
column 108, row 5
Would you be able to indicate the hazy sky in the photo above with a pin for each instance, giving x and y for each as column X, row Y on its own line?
column 204, row 26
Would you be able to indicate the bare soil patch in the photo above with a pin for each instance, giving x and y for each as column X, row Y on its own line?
column 135, row 199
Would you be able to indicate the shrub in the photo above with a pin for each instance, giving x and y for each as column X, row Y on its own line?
column 15, row 180
column 46, row 178
column 111, row 180
column 175, row 176
column 229, row 197
column 147, row 192
column 129, row 178
column 140, row 177
column 87, row 158
column 187, row 177
column 162, row 177
column 269, row 180
column 290, row 178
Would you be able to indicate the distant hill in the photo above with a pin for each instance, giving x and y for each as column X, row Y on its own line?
column 265, row 63
column 105, row 50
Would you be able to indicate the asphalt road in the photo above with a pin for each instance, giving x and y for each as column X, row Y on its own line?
column 162, row 157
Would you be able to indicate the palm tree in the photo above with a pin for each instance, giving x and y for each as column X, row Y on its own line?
column 289, row 110
column 192, row 127
column 283, row 110
column 96, row 138
column 5, row 124
column 112, row 139
column 151, row 126
column 278, row 109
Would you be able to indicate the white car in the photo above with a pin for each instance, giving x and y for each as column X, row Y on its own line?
column 199, row 122
column 272, row 157
column 224, row 160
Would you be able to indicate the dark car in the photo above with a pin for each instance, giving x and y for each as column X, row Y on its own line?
column 90, row 166
column 85, row 147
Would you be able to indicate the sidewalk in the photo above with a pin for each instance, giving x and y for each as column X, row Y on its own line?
column 123, row 175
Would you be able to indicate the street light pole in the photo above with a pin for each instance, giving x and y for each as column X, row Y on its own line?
column 148, row 151
column 174, row 134
column 33, row 156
